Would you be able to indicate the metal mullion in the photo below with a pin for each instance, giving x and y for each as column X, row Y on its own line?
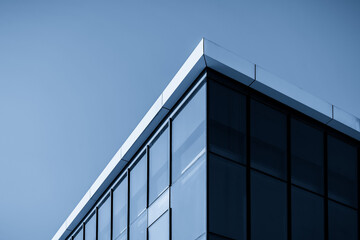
column 288, row 158
column 147, row 152
column 207, row 130
column 83, row 227
column 128, row 204
column 248, row 171
column 97, row 222
column 111, row 213
column 170, row 175
column 358, row 188
column 170, row 150
column 326, row 209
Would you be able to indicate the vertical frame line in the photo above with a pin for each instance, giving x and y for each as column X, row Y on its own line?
column 128, row 204
column 170, row 175
column 147, row 152
column 83, row 227
column 111, row 213
column 207, row 155
column 358, row 190
column 97, row 222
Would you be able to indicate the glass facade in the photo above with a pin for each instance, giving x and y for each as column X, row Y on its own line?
column 120, row 199
column 104, row 218
column 159, row 165
column 229, row 163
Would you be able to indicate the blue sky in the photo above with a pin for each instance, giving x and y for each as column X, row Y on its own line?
column 77, row 76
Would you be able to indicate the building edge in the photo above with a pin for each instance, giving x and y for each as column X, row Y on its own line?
column 209, row 55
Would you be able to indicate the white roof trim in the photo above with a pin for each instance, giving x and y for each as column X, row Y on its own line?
column 211, row 55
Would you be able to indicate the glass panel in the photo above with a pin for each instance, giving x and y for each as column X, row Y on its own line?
column 104, row 220
column 158, row 207
column 122, row 236
column 138, row 188
column 268, row 139
column 160, row 229
column 188, row 198
column 342, row 171
column 307, row 156
column 138, row 228
column 120, row 208
column 342, row 222
column 268, row 208
column 90, row 228
column 188, row 138
column 307, row 211
column 227, row 198
column 158, row 166
column 227, row 122
column 79, row 235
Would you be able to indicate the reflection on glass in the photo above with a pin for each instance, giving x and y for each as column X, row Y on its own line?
column 307, row 210
column 268, row 208
column 90, row 228
column 307, row 156
column 104, row 220
column 342, row 222
column 120, row 208
column 188, row 200
column 227, row 122
column 138, row 228
column 122, row 236
column 138, row 188
column 79, row 235
column 227, row 198
column 342, row 171
column 158, row 165
column 158, row 207
column 268, row 139
column 159, row 230
column 188, row 138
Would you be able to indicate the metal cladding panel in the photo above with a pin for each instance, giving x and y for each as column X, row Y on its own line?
column 292, row 96
column 345, row 122
column 228, row 63
column 182, row 80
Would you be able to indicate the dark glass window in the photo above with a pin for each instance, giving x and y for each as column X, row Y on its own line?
column 268, row 208
column 342, row 222
column 342, row 171
column 138, row 228
column 79, row 235
column 138, row 188
column 158, row 165
column 268, row 139
column 307, row 210
column 104, row 220
column 227, row 122
column 227, row 198
column 217, row 237
column 188, row 138
column 120, row 208
column 188, row 200
column 90, row 228
column 307, row 156
column 159, row 230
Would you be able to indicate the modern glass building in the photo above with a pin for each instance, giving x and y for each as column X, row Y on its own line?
column 228, row 151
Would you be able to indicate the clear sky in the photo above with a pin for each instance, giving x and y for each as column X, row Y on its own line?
column 77, row 76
